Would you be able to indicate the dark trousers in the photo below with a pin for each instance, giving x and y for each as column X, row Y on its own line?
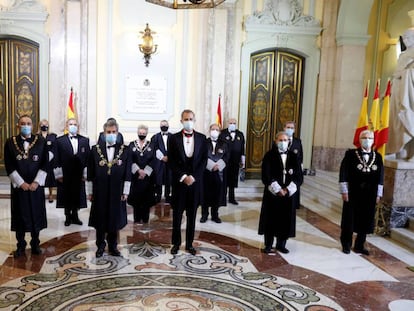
column 21, row 242
column 231, row 194
column 346, row 239
column 269, row 238
column 111, row 238
column 178, row 212
column 141, row 213
column 214, row 211
column 71, row 213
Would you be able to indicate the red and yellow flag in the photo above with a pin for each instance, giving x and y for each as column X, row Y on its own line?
column 218, row 115
column 71, row 106
column 382, row 137
column 363, row 118
column 374, row 115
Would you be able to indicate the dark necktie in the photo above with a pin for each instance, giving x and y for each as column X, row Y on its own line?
column 188, row 134
column 73, row 137
column 111, row 146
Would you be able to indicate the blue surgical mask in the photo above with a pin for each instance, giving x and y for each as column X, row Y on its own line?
column 188, row 125
column 366, row 143
column 232, row 127
column 282, row 145
column 289, row 132
column 73, row 129
column 110, row 138
column 214, row 134
column 26, row 130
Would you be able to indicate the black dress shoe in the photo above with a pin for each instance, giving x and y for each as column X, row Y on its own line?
column 203, row 219
column 267, row 250
column 115, row 252
column 99, row 253
column 283, row 250
column 174, row 249
column 19, row 252
column 216, row 220
column 36, row 250
column 77, row 221
column 191, row 250
column 362, row 251
column 234, row 202
column 346, row 250
column 67, row 223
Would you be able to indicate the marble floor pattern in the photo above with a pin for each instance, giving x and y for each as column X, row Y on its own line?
column 229, row 271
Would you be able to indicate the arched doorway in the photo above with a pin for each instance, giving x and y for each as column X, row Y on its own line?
column 19, row 85
column 275, row 97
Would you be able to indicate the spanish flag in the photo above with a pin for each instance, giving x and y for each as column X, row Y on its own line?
column 382, row 138
column 218, row 115
column 71, row 106
column 363, row 118
column 374, row 115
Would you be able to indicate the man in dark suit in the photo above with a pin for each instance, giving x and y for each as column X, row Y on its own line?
column 109, row 182
column 25, row 159
column 215, row 175
column 281, row 173
column 162, row 172
column 236, row 143
column 187, row 157
column 361, row 179
column 70, row 172
column 295, row 145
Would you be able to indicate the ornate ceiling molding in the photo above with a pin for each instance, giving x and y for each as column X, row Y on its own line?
column 187, row 4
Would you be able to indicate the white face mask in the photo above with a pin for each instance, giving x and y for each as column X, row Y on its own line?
column 282, row 145
column 110, row 138
column 188, row 125
column 367, row 143
column 289, row 132
column 214, row 134
column 232, row 127
column 73, row 129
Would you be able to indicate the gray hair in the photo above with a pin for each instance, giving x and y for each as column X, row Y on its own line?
column 109, row 123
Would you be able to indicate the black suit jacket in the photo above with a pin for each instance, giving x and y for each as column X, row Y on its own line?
column 160, row 166
column 179, row 166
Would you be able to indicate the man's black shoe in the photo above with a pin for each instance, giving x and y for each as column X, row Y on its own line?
column 267, row 250
column 362, row 251
column 203, row 219
column 283, row 250
column 346, row 250
column 234, row 202
column 36, row 250
column 216, row 219
column 19, row 252
column 191, row 250
column 67, row 222
column 99, row 253
column 77, row 221
column 115, row 252
column 174, row 249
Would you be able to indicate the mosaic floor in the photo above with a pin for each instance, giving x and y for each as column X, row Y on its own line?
column 229, row 271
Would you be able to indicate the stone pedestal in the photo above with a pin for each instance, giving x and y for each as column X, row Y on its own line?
column 399, row 190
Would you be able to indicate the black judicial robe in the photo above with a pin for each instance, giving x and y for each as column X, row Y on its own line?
column 51, row 148
column 278, row 215
column 215, row 182
column 161, row 169
column 28, row 210
column 358, row 214
column 236, row 150
column 108, row 212
column 71, row 193
column 142, row 190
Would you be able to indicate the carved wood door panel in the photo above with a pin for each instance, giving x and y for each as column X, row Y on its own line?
column 275, row 96
column 19, row 86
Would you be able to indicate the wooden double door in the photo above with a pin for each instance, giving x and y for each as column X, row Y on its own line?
column 275, row 96
column 19, row 86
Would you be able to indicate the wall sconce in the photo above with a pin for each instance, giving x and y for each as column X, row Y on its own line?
column 147, row 47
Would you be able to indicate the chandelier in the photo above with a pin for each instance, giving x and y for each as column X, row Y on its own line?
column 187, row 4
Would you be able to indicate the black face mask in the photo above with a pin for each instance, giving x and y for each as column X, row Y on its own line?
column 164, row 128
column 44, row 128
column 142, row 137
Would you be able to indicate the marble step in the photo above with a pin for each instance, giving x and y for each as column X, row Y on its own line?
column 403, row 236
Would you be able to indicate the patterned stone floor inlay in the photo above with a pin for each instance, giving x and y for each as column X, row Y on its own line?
column 147, row 277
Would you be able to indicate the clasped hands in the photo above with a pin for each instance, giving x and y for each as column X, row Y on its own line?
column 29, row 187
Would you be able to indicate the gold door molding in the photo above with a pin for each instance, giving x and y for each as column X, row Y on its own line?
column 19, row 86
column 275, row 96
